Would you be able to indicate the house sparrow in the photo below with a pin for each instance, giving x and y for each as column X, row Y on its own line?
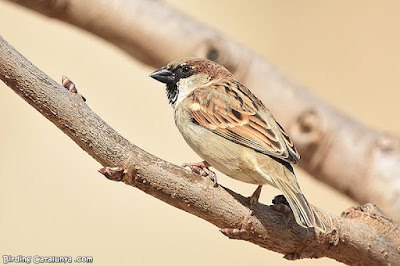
column 232, row 130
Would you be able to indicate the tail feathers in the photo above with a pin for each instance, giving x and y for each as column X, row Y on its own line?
column 319, row 223
column 304, row 214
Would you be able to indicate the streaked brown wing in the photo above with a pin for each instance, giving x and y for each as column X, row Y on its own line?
column 230, row 110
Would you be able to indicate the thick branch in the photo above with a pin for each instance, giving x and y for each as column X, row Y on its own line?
column 335, row 148
column 366, row 237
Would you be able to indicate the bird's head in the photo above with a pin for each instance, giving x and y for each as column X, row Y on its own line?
column 184, row 75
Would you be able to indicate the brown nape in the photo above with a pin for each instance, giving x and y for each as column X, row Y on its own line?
column 212, row 69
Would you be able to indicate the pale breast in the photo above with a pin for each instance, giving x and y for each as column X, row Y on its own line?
column 232, row 159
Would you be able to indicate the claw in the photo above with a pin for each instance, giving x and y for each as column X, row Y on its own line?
column 281, row 205
column 280, row 199
column 202, row 168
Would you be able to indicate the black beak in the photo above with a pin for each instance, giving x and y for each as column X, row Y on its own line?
column 163, row 75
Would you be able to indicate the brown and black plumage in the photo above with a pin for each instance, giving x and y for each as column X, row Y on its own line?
column 232, row 130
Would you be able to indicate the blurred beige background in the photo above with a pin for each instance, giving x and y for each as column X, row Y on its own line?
column 53, row 201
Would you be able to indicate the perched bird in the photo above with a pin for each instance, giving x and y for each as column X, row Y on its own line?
column 232, row 130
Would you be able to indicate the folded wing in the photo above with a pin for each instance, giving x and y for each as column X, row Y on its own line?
column 230, row 110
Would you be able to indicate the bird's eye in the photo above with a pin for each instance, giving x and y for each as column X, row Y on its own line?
column 186, row 69
column 183, row 71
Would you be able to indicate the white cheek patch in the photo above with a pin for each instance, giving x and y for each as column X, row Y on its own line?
column 185, row 86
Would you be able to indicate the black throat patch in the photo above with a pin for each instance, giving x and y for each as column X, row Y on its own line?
column 172, row 93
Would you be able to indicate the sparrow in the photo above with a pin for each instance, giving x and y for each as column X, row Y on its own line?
column 233, row 131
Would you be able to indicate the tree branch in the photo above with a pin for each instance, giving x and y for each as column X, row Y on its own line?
column 363, row 236
column 154, row 33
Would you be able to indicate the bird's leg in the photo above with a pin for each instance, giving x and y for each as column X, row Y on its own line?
column 202, row 168
column 256, row 195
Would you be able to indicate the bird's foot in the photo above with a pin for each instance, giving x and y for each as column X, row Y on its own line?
column 281, row 205
column 280, row 199
column 256, row 195
column 202, row 168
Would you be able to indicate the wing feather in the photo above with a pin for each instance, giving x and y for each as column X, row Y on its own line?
column 230, row 110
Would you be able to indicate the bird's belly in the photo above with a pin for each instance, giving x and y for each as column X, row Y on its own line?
column 234, row 160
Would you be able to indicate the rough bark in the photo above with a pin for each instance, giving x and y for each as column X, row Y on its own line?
column 363, row 236
column 335, row 148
